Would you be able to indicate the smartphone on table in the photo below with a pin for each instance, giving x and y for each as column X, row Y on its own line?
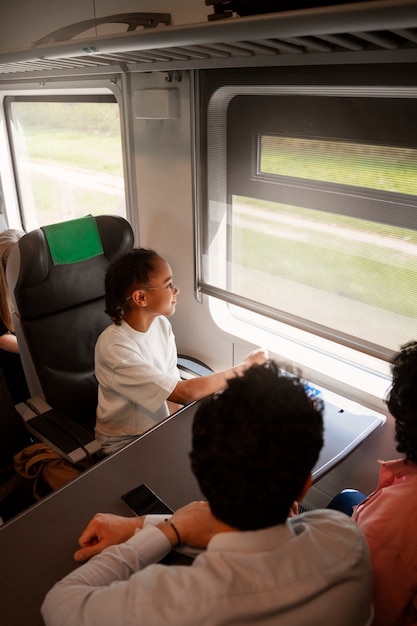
column 143, row 501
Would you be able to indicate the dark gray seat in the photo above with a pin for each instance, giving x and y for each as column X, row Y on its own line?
column 56, row 280
column 56, row 276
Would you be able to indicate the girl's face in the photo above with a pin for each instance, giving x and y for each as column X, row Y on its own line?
column 161, row 292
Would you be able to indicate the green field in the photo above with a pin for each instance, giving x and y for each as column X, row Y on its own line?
column 385, row 168
column 101, row 153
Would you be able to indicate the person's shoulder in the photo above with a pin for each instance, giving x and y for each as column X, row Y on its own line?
column 108, row 330
column 328, row 521
column 109, row 334
column 333, row 532
column 317, row 516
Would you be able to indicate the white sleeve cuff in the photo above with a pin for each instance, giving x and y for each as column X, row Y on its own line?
column 155, row 519
column 151, row 545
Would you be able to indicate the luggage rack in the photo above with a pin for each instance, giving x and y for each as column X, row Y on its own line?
column 385, row 30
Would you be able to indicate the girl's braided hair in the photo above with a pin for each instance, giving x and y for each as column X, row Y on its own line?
column 127, row 273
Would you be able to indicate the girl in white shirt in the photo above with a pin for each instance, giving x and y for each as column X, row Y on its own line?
column 136, row 357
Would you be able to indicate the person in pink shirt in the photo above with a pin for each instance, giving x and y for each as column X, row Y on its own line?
column 388, row 517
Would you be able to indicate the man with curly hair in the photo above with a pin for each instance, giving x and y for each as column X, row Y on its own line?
column 253, row 448
column 388, row 517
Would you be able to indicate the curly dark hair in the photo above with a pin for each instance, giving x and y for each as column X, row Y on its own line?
column 402, row 399
column 128, row 272
column 254, row 446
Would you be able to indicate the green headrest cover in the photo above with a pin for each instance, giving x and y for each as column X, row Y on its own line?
column 73, row 241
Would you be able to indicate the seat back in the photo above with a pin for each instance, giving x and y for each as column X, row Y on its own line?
column 56, row 278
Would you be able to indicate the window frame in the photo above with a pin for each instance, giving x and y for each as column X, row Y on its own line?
column 217, row 155
column 64, row 95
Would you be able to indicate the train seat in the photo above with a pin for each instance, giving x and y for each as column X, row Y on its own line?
column 56, row 279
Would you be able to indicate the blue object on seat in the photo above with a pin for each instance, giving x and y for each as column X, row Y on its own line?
column 346, row 500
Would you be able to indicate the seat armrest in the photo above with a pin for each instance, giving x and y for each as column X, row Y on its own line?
column 62, row 434
column 189, row 367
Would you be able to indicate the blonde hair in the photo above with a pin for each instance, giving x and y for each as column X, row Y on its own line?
column 7, row 240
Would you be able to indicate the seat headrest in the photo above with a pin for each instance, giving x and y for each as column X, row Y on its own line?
column 73, row 241
column 82, row 250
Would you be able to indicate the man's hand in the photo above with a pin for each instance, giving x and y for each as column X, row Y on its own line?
column 195, row 524
column 106, row 530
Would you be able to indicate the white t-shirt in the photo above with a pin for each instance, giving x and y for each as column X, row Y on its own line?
column 136, row 373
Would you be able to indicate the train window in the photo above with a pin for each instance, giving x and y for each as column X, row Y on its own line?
column 67, row 155
column 309, row 221
column 386, row 168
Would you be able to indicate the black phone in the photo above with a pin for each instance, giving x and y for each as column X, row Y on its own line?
column 143, row 501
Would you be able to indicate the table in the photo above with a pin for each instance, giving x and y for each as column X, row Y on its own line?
column 36, row 547
column 344, row 431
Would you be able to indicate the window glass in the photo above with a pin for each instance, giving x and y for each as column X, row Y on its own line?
column 310, row 218
column 376, row 167
column 350, row 275
column 68, row 157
